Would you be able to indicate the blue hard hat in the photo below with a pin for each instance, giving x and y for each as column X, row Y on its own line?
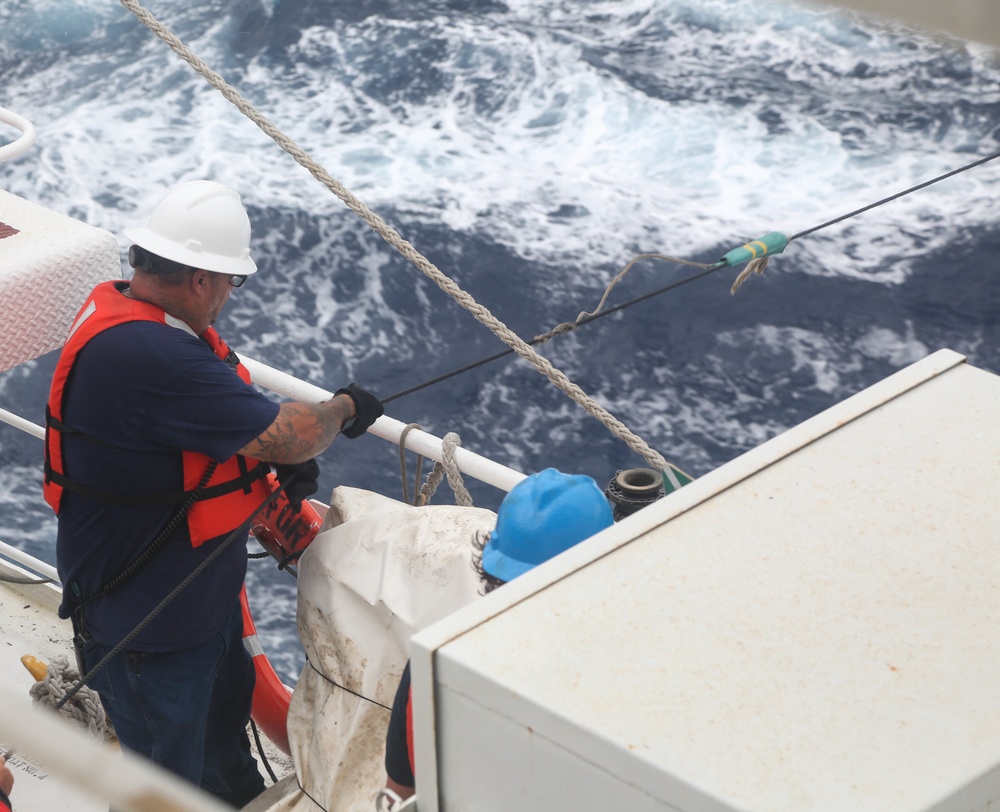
column 541, row 517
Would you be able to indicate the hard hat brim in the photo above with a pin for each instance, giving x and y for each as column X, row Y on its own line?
column 502, row 567
column 156, row 244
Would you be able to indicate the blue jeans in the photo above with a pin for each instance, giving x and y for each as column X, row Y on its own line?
column 187, row 710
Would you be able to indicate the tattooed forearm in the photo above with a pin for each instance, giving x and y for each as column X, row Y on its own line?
column 301, row 431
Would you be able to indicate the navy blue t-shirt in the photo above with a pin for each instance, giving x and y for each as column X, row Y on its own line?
column 152, row 390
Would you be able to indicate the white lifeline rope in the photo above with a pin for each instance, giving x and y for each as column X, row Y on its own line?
column 375, row 222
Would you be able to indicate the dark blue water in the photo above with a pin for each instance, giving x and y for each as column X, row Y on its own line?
column 530, row 149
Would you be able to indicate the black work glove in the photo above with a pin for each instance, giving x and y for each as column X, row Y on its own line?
column 367, row 409
column 299, row 480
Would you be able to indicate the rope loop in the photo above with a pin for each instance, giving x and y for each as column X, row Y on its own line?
column 448, row 467
column 402, row 464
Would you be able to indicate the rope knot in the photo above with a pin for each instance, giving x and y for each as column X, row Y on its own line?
column 84, row 707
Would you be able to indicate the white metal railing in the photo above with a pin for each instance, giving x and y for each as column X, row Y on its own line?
column 389, row 429
column 29, row 561
column 20, row 423
column 22, row 144
column 420, row 442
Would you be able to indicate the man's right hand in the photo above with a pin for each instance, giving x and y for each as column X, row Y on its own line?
column 367, row 409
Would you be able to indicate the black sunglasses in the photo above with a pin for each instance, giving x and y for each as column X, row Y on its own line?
column 237, row 281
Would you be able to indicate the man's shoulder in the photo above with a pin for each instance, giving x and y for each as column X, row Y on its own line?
column 133, row 329
column 144, row 351
column 147, row 339
column 148, row 327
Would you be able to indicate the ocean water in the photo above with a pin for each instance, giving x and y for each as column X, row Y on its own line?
column 530, row 148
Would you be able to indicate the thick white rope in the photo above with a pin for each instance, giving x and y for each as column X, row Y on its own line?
column 375, row 222
column 451, row 441
column 85, row 706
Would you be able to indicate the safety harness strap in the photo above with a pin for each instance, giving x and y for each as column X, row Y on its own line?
column 243, row 483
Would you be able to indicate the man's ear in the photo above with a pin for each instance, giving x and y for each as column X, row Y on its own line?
column 199, row 282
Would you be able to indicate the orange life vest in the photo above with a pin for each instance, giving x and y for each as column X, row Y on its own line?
column 238, row 485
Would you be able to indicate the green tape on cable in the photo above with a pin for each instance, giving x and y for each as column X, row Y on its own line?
column 773, row 243
column 681, row 478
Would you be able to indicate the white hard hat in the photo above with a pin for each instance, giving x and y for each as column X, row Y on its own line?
column 202, row 224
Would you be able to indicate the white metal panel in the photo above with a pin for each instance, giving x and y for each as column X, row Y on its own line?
column 48, row 265
column 424, row 646
column 815, row 631
column 548, row 776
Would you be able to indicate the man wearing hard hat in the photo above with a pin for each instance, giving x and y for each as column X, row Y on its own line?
column 157, row 452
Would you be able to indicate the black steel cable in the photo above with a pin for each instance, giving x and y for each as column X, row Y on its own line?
column 546, row 336
column 896, row 196
column 261, row 753
column 709, row 269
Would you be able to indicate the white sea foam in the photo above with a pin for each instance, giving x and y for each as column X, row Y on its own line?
column 523, row 134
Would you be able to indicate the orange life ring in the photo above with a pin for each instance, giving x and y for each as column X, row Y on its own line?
column 284, row 532
column 271, row 696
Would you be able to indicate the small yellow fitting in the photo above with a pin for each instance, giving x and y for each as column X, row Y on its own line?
column 35, row 667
